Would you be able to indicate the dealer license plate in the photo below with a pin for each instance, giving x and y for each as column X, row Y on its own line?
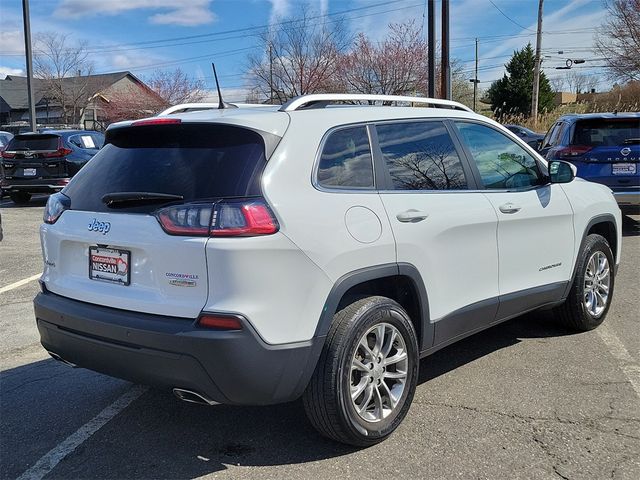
column 623, row 169
column 29, row 172
column 110, row 265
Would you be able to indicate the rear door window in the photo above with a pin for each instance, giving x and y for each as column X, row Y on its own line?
column 87, row 141
column 421, row 156
column 195, row 161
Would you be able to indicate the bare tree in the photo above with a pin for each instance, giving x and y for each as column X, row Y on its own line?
column 64, row 68
column 395, row 66
column 576, row 81
column 557, row 83
column 176, row 86
column 299, row 56
column 618, row 39
column 130, row 104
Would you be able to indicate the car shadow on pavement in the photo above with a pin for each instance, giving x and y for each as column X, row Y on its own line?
column 38, row 201
column 158, row 436
column 540, row 324
column 630, row 226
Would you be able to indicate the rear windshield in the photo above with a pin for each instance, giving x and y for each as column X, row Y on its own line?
column 33, row 142
column 193, row 160
column 606, row 132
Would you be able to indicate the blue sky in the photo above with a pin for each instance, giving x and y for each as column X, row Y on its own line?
column 145, row 35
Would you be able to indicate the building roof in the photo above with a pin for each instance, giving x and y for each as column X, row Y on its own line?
column 13, row 89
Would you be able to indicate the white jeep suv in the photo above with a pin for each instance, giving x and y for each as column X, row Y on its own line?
column 253, row 256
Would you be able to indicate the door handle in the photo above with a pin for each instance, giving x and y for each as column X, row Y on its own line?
column 509, row 208
column 411, row 216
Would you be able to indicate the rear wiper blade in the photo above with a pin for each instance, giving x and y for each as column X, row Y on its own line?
column 632, row 141
column 128, row 199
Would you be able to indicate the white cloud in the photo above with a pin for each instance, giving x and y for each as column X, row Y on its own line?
column 324, row 7
column 185, row 13
column 279, row 9
column 131, row 61
column 4, row 71
column 12, row 41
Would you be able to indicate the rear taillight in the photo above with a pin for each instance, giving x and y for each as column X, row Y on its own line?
column 56, row 205
column 573, row 151
column 219, row 321
column 62, row 151
column 6, row 154
column 226, row 218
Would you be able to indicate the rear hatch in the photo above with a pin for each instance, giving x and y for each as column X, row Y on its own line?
column 35, row 156
column 109, row 248
column 607, row 151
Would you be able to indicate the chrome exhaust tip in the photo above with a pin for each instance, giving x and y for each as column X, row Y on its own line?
column 193, row 397
column 57, row 357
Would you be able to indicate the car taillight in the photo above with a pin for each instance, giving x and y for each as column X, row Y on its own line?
column 219, row 321
column 226, row 218
column 56, row 205
column 6, row 154
column 573, row 151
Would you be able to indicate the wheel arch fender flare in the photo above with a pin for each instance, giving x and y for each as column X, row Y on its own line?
column 379, row 272
column 602, row 218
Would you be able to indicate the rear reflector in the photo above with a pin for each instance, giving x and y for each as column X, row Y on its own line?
column 156, row 121
column 219, row 322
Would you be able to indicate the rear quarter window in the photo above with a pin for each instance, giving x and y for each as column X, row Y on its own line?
column 346, row 160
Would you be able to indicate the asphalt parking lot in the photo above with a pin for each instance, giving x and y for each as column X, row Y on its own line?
column 525, row 399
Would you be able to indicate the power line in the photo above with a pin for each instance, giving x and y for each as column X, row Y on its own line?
column 508, row 17
column 244, row 30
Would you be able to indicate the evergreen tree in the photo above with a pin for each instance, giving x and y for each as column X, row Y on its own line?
column 512, row 93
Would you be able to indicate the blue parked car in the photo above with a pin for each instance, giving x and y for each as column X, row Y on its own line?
column 44, row 162
column 605, row 147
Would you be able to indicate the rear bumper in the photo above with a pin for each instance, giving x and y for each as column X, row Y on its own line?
column 36, row 185
column 627, row 198
column 233, row 367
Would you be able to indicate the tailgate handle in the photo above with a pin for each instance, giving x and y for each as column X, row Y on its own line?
column 411, row 216
column 509, row 208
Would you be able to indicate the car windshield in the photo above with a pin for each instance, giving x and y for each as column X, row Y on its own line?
column 606, row 131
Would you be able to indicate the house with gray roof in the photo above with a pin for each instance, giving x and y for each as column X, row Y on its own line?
column 82, row 101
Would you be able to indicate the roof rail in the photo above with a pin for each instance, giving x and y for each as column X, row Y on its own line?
column 321, row 100
column 184, row 107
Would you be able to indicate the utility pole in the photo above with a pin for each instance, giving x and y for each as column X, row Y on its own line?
column 29, row 62
column 270, row 74
column 536, row 68
column 445, row 91
column 431, row 47
column 475, row 82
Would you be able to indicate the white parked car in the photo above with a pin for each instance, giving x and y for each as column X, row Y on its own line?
column 253, row 256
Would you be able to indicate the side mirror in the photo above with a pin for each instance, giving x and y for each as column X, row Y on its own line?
column 561, row 172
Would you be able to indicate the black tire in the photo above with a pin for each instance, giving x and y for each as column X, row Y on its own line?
column 573, row 313
column 327, row 399
column 20, row 198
